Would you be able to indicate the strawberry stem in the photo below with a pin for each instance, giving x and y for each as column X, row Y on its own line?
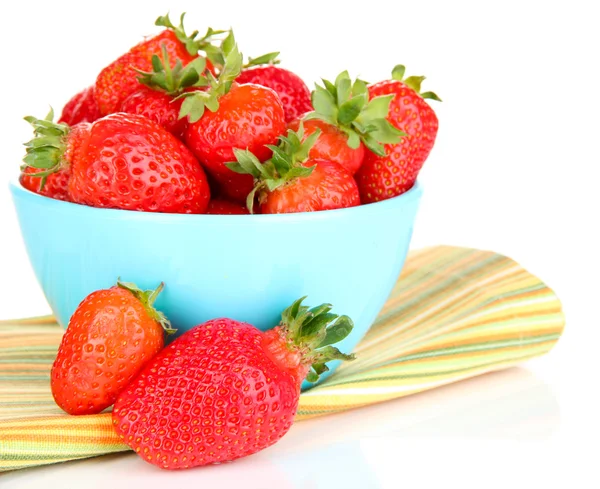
column 174, row 80
column 192, row 44
column 45, row 151
column 313, row 331
column 346, row 105
column 195, row 103
column 147, row 298
column 284, row 166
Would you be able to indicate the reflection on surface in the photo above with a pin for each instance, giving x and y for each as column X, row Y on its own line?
column 339, row 451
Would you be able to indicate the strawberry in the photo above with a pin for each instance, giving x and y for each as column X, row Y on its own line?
column 111, row 336
column 157, row 96
column 221, row 206
column 119, row 79
column 238, row 116
column 232, row 186
column 224, row 389
column 292, row 181
column 81, row 108
column 159, row 107
column 293, row 92
column 332, row 144
column 385, row 176
column 54, row 185
column 123, row 161
column 348, row 121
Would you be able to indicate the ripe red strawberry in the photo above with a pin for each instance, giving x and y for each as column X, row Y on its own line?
column 224, row 389
column 348, row 121
column 220, row 206
column 119, row 79
column 55, row 185
column 383, row 177
column 249, row 116
column 292, row 181
column 123, row 161
column 157, row 106
column 328, row 186
column 111, row 336
column 238, row 116
column 293, row 92
column 81, row 108
column 332, row 144
column 156, row 98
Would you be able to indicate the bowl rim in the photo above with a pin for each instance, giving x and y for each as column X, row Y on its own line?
column 412, row 194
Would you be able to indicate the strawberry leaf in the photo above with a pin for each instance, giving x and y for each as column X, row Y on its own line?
column 192, row 44
column 174, row 81
column 315, row 330
column 147, row 298
column 398, row 72
column 324, row 102
column 431, row 96
column 337, row 331
column 350, row 110
column 193, row 107
column 343, row 87
column 346, row 105
column 265, row 59
column 46, row 150
column 377, row 108
column 413, row 82
column 286, row 164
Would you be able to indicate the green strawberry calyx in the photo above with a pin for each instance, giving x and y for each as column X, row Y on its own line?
column 174, row 81
column 195, row 103
column 147, row 298
column 313, row 331
column 413, row 82
column 286, row 164
column 265, row 59
column 45, row 151
column 346, row 105
column 229, row 62
column 192, row 43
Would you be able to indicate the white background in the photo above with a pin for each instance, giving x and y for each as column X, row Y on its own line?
column 514, row 169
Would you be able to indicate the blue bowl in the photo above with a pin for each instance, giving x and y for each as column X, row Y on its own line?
column 247, row 268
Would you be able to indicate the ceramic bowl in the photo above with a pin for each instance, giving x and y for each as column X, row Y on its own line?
column 244, row 267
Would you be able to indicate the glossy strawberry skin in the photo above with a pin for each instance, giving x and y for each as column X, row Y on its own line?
column 126, row 161
column 332, row 145
column 215, row 394
column 56, row 186
column 383, row 177
column 109, row 339
column 158, row 107
column 293, row 92
column 249, row 117
column 329, row 186
column 221, row 206
column 81, row 108
column 119, row 79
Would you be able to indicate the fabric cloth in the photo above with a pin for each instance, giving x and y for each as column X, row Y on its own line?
column 454, row 313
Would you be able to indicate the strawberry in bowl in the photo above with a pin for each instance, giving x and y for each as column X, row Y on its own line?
column 183, row 164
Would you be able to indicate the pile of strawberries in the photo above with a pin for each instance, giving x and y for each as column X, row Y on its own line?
column 181, row 124
column 221, row 391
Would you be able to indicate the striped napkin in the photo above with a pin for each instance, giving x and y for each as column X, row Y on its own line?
column 455, row 313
